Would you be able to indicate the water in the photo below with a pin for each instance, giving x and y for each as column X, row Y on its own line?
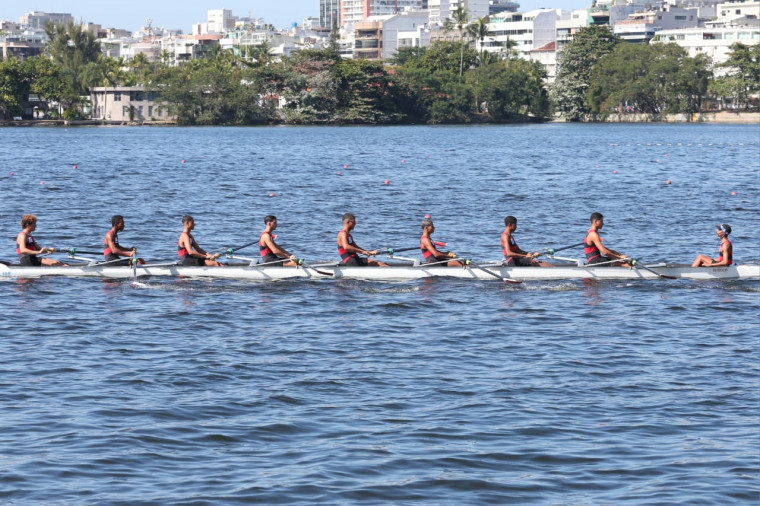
column 336, row 391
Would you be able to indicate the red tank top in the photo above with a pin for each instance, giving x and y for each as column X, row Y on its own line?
column 730, row 253
column 30, row 243
column 590, row 250
column 512, row 246
column 426, row 254
column 107, row 250
column 345, row 254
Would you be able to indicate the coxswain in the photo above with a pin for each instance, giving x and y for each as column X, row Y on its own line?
column 595, row 251
column 726, row 251
column 349, row 251
column 430, row 253
column 189, row 252
column 513, row 255
column 271, row 253
column 112, row 251
column 27, row 248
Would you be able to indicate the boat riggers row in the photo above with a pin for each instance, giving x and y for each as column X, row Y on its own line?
column 274, row 262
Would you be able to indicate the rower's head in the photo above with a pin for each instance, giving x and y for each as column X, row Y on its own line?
column 188, row 221
column 597, row 220
column 510, row 222
column 723, row 230
column 28, row 220
column 427, row 224
column 117, row 221
column 349, row 220
column 270, row 221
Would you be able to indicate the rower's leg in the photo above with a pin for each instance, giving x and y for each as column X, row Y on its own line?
column 702, row 260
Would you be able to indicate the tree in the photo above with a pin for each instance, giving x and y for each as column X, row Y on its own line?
column 743, row 76
column 73, row 48
column 651, row 79
column 510, row 90
column 13, row 88
column 576, row 62
column 479, row 31
column 459, row 19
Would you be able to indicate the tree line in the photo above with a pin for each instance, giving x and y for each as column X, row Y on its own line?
column 446, row 82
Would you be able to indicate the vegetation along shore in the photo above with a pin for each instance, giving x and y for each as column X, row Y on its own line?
column 600, row 78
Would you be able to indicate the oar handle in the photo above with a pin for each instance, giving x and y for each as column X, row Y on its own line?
column 74, row 251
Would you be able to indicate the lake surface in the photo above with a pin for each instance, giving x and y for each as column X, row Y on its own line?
column 343, row 392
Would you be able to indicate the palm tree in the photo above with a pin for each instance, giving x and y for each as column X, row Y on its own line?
column 459, row 18
column 479, row 31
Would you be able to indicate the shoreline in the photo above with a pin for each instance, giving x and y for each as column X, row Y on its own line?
column 720, row 117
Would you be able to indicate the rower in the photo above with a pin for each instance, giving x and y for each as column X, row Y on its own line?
column 726, row 250
column 431, row 254
column 595, row 251
column 513, row 255
column 349, row 251
column 27, row 248
column 112, row 251
column 189, row 252
column 270, row 252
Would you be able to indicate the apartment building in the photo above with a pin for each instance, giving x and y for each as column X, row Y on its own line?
column 329, row 13
column 524, row 31
column 641, row 27
column 35, row 20
column 128, row 104
column 352, row 11
column 440, row 10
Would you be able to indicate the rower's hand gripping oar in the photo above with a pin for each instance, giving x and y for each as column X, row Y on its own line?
column 635, row 264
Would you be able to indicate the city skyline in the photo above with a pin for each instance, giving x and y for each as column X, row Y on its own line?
column 168, row 15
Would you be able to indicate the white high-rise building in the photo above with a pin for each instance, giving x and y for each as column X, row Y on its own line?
column 220, row 20
column 440, row 10
column 352, row 11
column 36, row 20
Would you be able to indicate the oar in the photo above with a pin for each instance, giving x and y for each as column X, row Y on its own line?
column 497, row 276
column 552, row 251
column 635, row 263
column 307, row 266
column 133, row 261
column 74, row 251
column 230, row 251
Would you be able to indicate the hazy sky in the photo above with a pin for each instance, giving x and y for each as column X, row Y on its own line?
column 131, row 15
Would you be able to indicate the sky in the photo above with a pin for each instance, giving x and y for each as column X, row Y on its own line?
column 182, row 14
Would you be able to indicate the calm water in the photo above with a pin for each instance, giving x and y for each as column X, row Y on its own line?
column 334, row 391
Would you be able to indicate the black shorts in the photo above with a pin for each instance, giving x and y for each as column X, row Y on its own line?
column 355, row 261
column 29, row 260
column 116, row 260
column 518, row 262
column 599, row 260
column 272, row 260
column 192, row 261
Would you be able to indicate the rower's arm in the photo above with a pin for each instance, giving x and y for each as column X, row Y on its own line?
column 353, row 248
column 115, row 248
column 724, row 254
column 518, row 253
column 439, row 255
column 269, row 243
column 21, row 243
column 594, row 237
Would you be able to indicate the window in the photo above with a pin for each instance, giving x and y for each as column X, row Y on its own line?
column 117, row 97
column 124, row 111
column 150, row 111
column 140, row 111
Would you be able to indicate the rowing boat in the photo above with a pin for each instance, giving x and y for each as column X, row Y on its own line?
column 397, row 272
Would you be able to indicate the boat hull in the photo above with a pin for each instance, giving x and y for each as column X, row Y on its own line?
column 387, row 273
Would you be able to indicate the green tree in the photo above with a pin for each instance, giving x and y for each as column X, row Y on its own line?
column 742, row 78
column 459, row 20
column 479, row 31
column 73, row 48
column 443, row 56
column 13, row 88
column 576, row 62
column 510, row 90
column 651, row 79
column 368, row 94
column 311, row 86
